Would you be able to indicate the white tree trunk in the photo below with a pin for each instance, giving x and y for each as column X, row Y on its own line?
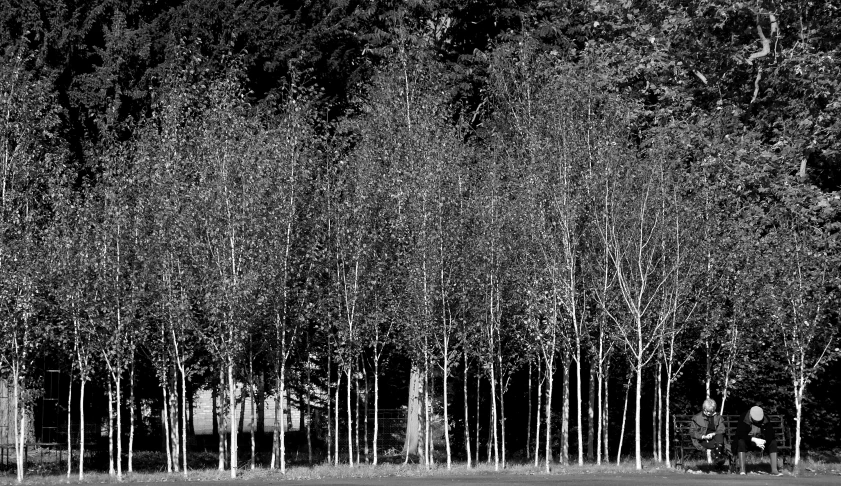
column 600, row 410
column 377, row 407
column 282, row 428
column 528, row 420
column 20, row 423
column 69, row 430
column 183, row 418
column 580, row 409
column 622, row 430
column 165, row 420
column 119, row 428
column 638, row 410
column 798, row 405
column 478, row 397
column 494, row 417
column 131, row 418
column 548, row 447
column 82, row 428
column 446, row 410
column 253, row 410
column 658, row 414
column 667, row 412
column 606, row 413
column 466, row 412
column 336, row 414
column 349, row 372
column 110, row 429
column 537, row 419
column 233, row 422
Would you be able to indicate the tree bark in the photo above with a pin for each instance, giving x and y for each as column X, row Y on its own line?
column 233, row 420
column 466, row 412
column 82, row 380
column 624, row 417
column 478, row 398
column 564, row 459
column 110, row 428
column 410, row 446
column 165, row 421
column 537, row 416
column 591, row 405
column 528, row 421
column 69, row 430
column 132, row 412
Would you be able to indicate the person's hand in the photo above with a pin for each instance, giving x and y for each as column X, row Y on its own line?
column 759, row 442
column 709, row 436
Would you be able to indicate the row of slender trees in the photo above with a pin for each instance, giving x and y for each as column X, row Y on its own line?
column 550, row 228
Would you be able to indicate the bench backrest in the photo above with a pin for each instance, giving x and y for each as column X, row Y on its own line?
column 682, row 424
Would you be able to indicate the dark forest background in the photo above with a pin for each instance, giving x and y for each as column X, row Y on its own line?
column 293, row 190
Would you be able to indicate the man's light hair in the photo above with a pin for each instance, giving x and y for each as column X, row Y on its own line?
column 709, row 405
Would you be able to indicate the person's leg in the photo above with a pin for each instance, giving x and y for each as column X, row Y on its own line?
column 741, row 448
column 771, row 449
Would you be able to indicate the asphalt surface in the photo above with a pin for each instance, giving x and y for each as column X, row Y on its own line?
column 537, row 480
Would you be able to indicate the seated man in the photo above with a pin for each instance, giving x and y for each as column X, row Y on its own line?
column 707, row 431
column 755, row 432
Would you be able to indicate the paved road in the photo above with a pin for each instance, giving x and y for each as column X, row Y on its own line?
column 539, row 480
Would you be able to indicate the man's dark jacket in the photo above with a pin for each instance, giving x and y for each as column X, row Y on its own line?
column 746, row 429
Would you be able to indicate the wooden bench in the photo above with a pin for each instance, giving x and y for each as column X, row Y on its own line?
column 684, row 449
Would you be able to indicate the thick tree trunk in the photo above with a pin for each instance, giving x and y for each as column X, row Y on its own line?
column 410, row 446
column 564, row 459
column 466, row 412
